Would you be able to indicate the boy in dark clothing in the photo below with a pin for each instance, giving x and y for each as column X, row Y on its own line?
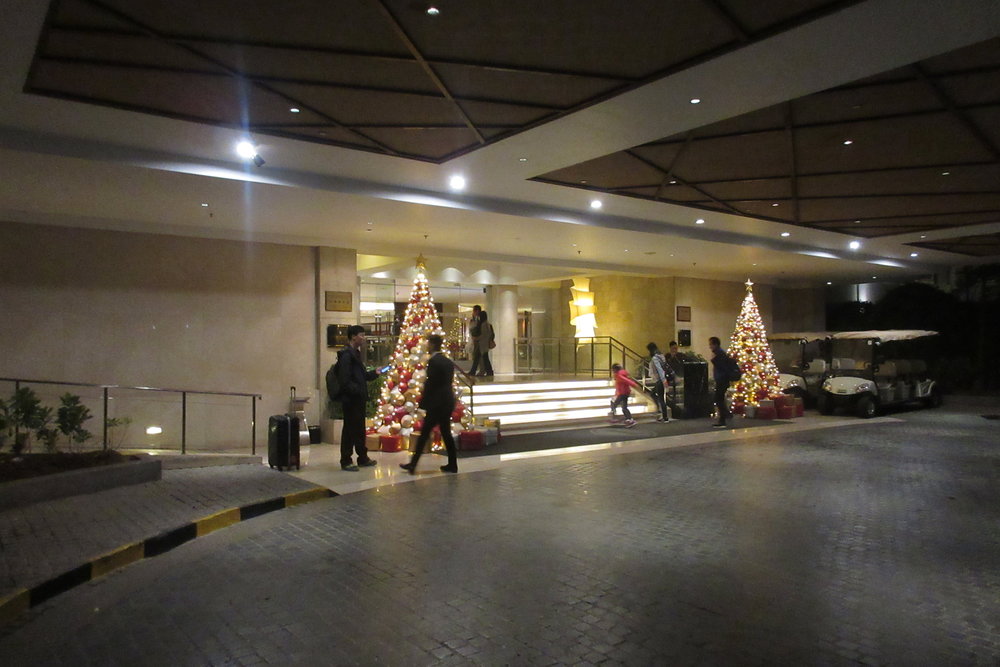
column 353, row 379
column 720, row 373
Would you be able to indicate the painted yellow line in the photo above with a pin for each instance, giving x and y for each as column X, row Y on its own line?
column 118, row 558
column 13, row 605
column 216, row 521
column 306, row 496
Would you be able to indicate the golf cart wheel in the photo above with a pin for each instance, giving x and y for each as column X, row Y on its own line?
column 935, row 399
column 824, row 405
column 867, row 407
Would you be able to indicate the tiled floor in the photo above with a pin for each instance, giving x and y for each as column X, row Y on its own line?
column 864, row 542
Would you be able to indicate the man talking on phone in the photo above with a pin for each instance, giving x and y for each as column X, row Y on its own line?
column 353, row 378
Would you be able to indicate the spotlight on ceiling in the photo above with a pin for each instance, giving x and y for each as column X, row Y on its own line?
column 433, row 11
column 695, row 100
column 699, row 221
column 786, row 234
column 596, row 204
column 914, row 254
column 246, row 150
column 854, row 245
column 457, row 182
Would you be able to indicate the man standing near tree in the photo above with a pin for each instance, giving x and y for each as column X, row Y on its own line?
column 721, row 372
column 353, row 378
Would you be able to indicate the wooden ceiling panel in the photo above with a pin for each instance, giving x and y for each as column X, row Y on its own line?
column 784, row 210
column 756, row 16
column 983, row 245
column 369, row 108
column 618, row 170
column 508, row 117
column 972, row 88
column 866, row 208
column 592, row 36
column 761, row 153
column 860, row 102
column 983, row 54
column 559, row 91
column 769, row 118
column 758, row 188
column 982, row 178
column 125, row 49
column 928, row 139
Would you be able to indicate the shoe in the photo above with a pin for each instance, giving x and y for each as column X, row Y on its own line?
column 629, row 423
column 661, row 419
column 718, row 426
column 350, row 467
column 612, row 414
column 367, row 464
column 449, row 468
column 409, row 467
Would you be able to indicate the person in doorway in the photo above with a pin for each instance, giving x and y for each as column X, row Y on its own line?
column 438, row 401
column 623, row 387
column 486, row 342
column 721, row 364
column 353, row 378
column 475, row 330
column 661, row 378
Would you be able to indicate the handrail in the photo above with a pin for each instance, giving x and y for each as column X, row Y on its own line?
column 617, row 351
column 183, row 392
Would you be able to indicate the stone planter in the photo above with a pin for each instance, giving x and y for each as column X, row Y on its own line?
column 331, row 430
column 23, row 492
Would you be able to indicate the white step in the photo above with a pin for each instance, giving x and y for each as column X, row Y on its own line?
column 549, row 402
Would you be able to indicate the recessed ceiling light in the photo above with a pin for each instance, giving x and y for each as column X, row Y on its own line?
column 828, row 282
column 584, row 182
column 695, row 100
column 775, row 204
column 754, row 264
column 786, row 233
column 923, row 236
column 295, row 110
column 457, row 182
column 945, row 173
column 857, row 222
column 626, row 249
column 596, row 204
column 204, row 204
column 874, row 277
column 699, row 221
column 914, row 254
column 673, row 182
column 574, row 245
column 848, row 142
column 433, row 11
column 522, row 159
column 854, row 245
column 245, row 149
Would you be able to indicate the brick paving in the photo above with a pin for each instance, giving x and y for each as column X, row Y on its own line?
column 874, row 544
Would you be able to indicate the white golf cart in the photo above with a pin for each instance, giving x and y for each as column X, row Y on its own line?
column 802, row 362
column 870, row 370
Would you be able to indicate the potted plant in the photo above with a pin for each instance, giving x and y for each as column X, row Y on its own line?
column 25, row 412
column 47, row 432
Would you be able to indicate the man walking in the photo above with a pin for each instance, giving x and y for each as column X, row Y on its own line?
column 721, row 370
column 438, row 401
column 353, row 379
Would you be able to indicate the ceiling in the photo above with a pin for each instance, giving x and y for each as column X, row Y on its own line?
column 123, row 115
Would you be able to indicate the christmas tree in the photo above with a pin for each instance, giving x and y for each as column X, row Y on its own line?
column 753, row 353
column 398, row 413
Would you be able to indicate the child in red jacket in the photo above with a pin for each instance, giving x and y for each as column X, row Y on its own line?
column 623, row 387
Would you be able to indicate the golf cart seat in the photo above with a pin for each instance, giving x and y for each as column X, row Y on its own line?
column 887, row 369
column 903, row 367
column 918, row 367
column 843, row 364
column 815, row 367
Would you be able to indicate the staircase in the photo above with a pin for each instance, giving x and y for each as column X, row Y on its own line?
column 551, row 403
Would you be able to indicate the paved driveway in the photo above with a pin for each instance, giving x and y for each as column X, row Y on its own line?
column 873, row 543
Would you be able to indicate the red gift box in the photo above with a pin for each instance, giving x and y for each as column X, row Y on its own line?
column 800, row 407
column 471, row 439
column 781, row 400
column 765, row 412
column 786, row 412
column 391, row 443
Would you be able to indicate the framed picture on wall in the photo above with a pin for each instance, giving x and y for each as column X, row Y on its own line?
column 683, row 313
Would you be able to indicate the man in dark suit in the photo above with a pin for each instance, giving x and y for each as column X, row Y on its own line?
column 438, row 401
column 353, row 378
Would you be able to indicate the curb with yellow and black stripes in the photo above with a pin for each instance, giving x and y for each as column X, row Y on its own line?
column 18, row 602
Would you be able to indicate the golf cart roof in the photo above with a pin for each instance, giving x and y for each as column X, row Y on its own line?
column 885, row 335
column 801, row 335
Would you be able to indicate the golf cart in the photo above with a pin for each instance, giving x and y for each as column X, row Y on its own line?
column 870, row 370
column 802, row 359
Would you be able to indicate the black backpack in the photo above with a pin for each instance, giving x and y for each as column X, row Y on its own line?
column 733, row 370
column 333, row 388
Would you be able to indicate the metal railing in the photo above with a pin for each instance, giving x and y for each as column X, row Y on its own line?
column 575, row 356
column 184, row 393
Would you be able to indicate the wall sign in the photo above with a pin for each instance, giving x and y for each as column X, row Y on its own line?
column 683, row 313
column 340, row 302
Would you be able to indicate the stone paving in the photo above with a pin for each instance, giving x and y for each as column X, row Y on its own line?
column 43, row 540
column 874, row 544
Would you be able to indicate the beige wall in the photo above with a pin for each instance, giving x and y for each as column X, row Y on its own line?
column 151, row 310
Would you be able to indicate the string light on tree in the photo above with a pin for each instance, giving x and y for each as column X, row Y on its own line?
column 753, row 353
column 398, row 413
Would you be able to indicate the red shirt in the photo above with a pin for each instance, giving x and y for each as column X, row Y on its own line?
column 623, row 383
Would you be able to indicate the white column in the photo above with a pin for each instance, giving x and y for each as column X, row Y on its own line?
column 503, row 317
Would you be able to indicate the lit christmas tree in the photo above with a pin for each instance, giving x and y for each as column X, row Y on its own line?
column 398, row 413
column 753, row 353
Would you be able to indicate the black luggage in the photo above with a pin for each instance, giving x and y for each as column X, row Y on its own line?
column 283, row 442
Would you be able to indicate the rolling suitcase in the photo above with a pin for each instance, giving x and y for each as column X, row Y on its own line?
column 283, row 442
